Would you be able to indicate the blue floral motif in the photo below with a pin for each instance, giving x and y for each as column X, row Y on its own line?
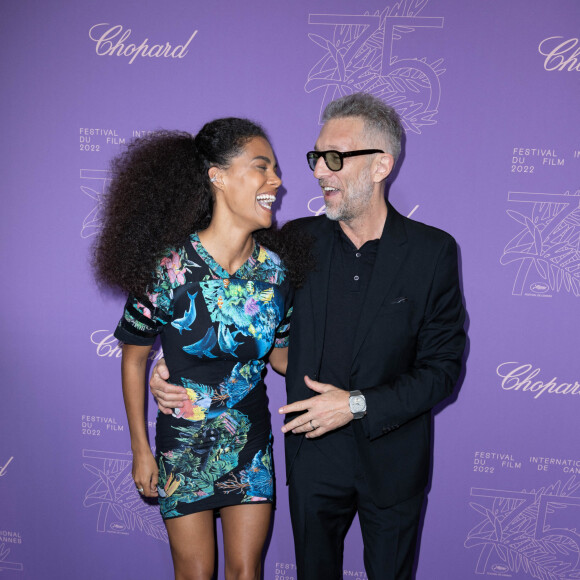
column 258, row 478
column 241, row 381
column 254, row 310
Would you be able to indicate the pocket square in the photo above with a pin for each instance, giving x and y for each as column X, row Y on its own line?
column 399, row 300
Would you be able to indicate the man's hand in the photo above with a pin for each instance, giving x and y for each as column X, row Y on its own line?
column 325, row 412
column 168, row 396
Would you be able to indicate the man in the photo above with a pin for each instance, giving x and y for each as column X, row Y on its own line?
column 376, row 342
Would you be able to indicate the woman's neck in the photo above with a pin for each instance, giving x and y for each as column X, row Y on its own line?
column 229, row 247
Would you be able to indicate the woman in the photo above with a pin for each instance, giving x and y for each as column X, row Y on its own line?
column 188, row 234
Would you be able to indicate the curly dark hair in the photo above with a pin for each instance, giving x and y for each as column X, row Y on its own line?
column 160, row 193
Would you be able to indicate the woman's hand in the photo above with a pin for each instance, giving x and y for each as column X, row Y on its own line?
column 145, row 473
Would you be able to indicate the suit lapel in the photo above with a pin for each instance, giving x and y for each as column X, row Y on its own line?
column 319, row 283
column 390, row 257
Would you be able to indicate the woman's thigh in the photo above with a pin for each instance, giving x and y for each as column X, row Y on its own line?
column 192, row 541
column 245, row 528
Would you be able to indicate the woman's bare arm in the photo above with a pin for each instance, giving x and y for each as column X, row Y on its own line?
column 279, row 360
column 133, row 370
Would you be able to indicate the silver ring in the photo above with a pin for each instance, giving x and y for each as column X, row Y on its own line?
column 313, row 427
column 140, row 489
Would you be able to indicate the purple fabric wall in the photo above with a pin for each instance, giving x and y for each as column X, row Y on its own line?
column 489, row 94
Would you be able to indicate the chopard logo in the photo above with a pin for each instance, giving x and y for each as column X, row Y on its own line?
column 109, row 346
column 522, row 377
column 4, row 467
column 315, row 208
column 112, row 41
column 561, row 55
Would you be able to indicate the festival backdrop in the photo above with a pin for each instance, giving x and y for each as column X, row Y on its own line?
column 489, row 95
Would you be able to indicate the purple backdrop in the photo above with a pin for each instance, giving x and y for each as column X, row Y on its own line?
column 489, row 95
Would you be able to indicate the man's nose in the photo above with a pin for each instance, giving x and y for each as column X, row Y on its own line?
column 320, row 169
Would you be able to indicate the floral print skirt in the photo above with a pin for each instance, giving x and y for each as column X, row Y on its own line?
column 221, row 460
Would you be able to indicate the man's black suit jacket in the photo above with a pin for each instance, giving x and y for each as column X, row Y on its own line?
column 407, row 349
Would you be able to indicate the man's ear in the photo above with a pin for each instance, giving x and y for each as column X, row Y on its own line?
column 383, row 166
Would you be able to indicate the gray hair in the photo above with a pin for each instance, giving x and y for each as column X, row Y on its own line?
column 380, row 119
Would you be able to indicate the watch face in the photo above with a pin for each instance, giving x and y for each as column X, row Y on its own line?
column 357, row 404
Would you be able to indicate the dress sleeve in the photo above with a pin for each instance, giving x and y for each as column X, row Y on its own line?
column 144, row 318
column 141, row 322
column 283, row 331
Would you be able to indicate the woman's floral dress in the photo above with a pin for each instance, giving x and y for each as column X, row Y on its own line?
column 216, row 331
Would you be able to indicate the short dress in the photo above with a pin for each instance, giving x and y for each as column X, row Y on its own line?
column 216, row 332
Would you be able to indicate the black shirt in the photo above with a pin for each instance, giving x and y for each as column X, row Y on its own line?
column 350, row 274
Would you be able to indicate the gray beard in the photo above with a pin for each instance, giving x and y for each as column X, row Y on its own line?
column 355, row 199
column 351, row 207
column 339, row 214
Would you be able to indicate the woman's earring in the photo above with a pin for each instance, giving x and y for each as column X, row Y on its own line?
column 213, row 179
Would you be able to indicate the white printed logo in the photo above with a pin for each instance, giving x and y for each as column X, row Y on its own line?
column 561, row 55
column 113, row 41
column 361, row 54
column 108, row 346
column 9, row 537
column 121, row 509
column 4, row 467
column 94, row 186
column 522, row 377
column 528, row 532
column 547, row 247
column 316, row 206
column 4, row 563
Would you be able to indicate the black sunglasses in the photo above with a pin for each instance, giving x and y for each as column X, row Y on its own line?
column 334, row 159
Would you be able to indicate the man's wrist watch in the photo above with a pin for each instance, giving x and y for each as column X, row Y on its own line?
column 357, row 404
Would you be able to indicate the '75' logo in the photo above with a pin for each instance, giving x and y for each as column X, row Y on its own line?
column 361, row 55
column 533, row 532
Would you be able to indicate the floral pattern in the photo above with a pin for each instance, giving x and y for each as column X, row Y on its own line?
column 216, row 330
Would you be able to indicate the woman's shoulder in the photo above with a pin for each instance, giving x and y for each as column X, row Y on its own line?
column 267, row 266
column 174, row 265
